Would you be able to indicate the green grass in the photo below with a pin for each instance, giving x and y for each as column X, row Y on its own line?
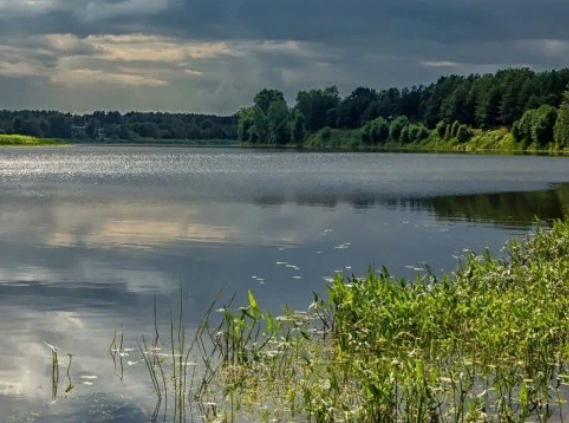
column 24, row 140
column 486, row 343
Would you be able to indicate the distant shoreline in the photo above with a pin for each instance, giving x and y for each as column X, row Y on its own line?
column 341, row 147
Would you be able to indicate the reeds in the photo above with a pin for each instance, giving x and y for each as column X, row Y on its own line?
column 55, row 373
column 488, row 343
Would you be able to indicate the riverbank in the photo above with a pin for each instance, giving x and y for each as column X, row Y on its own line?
column 26, row 141
column 159, row 142
column 499, row 141
column 488, row 342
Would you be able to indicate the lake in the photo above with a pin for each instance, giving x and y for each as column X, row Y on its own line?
column 90, row 236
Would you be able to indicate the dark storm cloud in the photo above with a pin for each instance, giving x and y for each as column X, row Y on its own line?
column 247, row 44
column 316, row 20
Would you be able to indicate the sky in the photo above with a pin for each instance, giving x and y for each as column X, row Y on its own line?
column 212, row 56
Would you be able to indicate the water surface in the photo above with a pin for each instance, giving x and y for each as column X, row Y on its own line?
column 89, row 236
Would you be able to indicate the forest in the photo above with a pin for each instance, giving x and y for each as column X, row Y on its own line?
column 511, row 109
column 101, row 125
column 518, row 107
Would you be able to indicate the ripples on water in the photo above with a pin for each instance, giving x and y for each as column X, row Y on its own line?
column 88, row 237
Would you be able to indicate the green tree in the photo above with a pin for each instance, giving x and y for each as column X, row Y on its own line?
column 544, row 122
column 92, row 128
column 534, row 102
column 397, row 126
column 372, row 112
column 298, row 128
column 45, row 128
column 26, row 125
column 143, row 129
column 60, row 125
column 456, row 106
column 524, row 127
column 517, row 131
column 516, row 92
column 409, row 103
column 561, row 129
column 266, row 97
column 278, row 123
column 113, row 118
column 351, row 110
column 317, row 106
column 487, row 112
column 259, row 131
column 246, row 121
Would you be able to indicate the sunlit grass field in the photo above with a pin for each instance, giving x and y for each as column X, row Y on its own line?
column 24, row 140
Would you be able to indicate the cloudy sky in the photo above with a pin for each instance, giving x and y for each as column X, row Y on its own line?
column 214, row 55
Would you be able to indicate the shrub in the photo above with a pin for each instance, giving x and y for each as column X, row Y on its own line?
column 379, row 131
column 397, row 126
column 454, row 129
column 526, row 125
column 517, row 131
column 405, row 137
column 366, row 133
column 543, row 124
column 298, row 128
column 423, row 133
column 441, row 129
column 561, row 129
column 413, row 131
column 326, row 133
column 463, row 134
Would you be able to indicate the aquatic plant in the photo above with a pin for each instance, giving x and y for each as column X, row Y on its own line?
column 486, row 343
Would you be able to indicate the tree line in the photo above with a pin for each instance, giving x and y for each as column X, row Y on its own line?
column 452, row 107
column 115, row 125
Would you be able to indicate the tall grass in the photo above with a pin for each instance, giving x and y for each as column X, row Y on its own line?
column 25, row 140
column 486, row 343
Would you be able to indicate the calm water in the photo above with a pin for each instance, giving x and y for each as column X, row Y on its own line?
column 89, row 236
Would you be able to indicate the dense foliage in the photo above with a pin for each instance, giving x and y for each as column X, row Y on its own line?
column 454, row 108
column 114, row 125
column 449, row 113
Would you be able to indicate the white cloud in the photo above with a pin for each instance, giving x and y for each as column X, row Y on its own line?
column 150, row 48
column 193, row 72
column 63, row 42
column 89, row 76
column 18, row 69
column 439, row 64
